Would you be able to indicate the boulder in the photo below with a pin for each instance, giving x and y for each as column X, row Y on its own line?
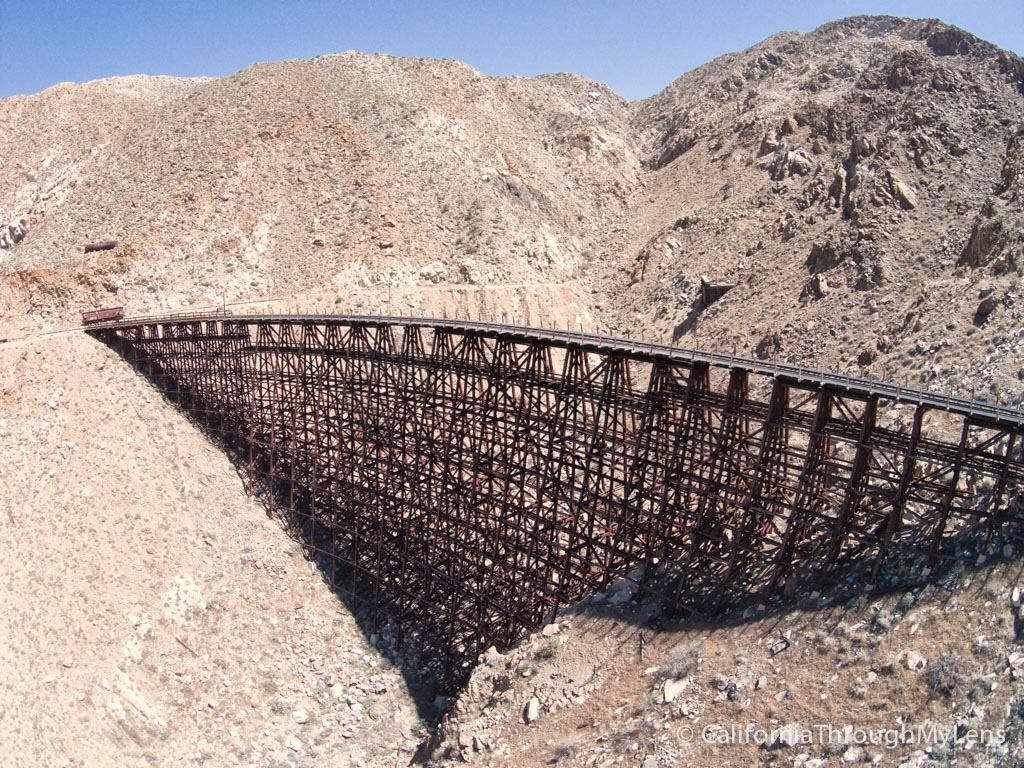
column 12, row 234
column 672, row 690
column 532, row 711
column 799, row 163
column 823, row 256
column 985, row 308
column 814, row 289
column 915, row 661
column 901, row 192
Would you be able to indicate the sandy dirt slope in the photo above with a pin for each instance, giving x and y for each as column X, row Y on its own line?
column 153, row 613
column 611, row 684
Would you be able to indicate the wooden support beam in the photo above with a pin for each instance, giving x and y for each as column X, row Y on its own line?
column 461, row 487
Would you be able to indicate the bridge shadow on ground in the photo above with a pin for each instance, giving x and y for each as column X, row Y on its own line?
column 645, row 614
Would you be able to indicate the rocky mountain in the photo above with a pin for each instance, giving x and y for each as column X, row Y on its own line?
column 318, row 175
column 855, row 193
column 860, row 186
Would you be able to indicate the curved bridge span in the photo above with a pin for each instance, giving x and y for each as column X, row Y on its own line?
column 462, row 481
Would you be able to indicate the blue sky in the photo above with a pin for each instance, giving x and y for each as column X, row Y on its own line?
column 635, row 47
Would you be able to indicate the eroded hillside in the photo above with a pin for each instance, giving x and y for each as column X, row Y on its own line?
column 318, row 176
column 860, row 186
column 153, row 612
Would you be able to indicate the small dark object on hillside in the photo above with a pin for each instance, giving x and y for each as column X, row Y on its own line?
column 712, row 292
column 105, row 245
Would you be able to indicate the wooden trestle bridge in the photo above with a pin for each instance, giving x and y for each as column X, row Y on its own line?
column 461, row 481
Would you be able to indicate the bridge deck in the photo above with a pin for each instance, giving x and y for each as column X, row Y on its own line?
column 643, row 350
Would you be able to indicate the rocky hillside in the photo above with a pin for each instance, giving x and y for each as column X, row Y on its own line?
column 321, row 175
column 859, row 189
column 154, row 614
column 861, row 186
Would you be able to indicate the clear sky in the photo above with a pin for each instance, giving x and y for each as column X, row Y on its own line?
column 635, row 47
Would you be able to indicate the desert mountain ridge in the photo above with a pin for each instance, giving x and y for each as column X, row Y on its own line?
column 887, row 147
column 837, row 177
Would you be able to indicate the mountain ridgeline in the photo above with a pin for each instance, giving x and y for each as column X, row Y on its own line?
column 859, row 186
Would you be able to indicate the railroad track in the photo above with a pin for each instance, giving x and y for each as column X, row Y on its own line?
column 463, row 481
